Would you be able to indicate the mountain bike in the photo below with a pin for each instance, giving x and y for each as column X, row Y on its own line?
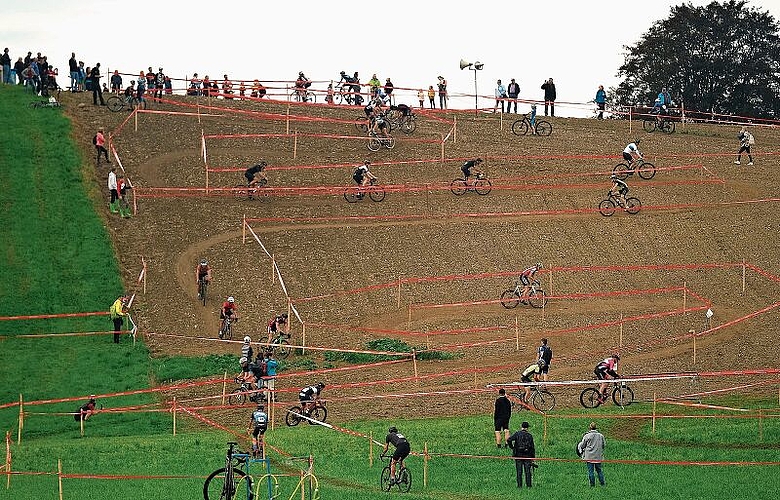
column 646, row 170
column 513, row 296
column 226, row 329
column 541, row 399
column 280, row 345
column 203, row 286
column 245, row 392
column 658, row 123
column 344, row 95
column 118, row 103
column 295, row 415
column 608, row 206
column 244, row 192
column 302, row 95
column 375, row 142
column 481, row 185
column 407, row 123
column 403, row 479
column 357, row 193
column 523, row 125
column 230, row 482
column 622, row 396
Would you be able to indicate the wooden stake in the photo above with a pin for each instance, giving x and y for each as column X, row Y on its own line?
column 371, row 448
column 273, row 269
column 21, row 420
column 174, row 415
column 551, row 282
column 544, row 436
column 654, row 400
column 685, row 297
column 760, row 426
column 289, row 309
column 59, row 476
column 8, row 459
column 295, row 145
column 744, row 272
column 425, row 465
column 414, row 362
column 693, row 334
column 224, row 388
column 475, row 377
column 303, row 338
column 243, row 230
column 621, row 330
column 428, row 342
column 409, row 317
column 517, row 335
column 143, row 261
column 81, row 424
column 399, row 293
column 135, row 120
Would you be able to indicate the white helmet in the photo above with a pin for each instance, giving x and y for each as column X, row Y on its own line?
column 247, row 339
column 231, row 299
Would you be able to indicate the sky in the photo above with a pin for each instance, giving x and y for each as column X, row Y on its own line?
column 580, row 44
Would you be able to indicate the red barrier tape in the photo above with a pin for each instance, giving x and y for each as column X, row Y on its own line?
column 50, row 316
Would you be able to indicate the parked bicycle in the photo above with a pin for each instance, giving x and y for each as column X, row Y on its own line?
column 608, row 206
column 203, row 287
column 646, row 170
column 541, row 399
column 244, row 192
column 353, row 194
column 51, row 103
column 622, row 396
column 296, row 415
column 230, row 482
column 512, row 297
column 118, row 103
column 226, row 329
column 658, row 122
column 403, row 474
column 523, row 125
column 480, row 184
column 245, row 392
column 376, row 142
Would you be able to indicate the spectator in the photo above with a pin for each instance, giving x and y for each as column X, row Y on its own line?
column 329, row 94
column 117, row 312
column 432, row 97
column 151, row 79
column 523, row 450
column 374, row 84
column 442, row 92
column 5, row 60
column 123, row 185
column 421, row 98
column 100, row 146
column 97, row 92
column 271, row 367
column 86, row 410
column 591, row 450
column 43, row 75
column 601, row 101
column 501, row 416
column 549, row 96
column 116, row 82
column 113, row 206
column 168, row 84
column 18, row 69
column 195, row 85
column 73, row 67
column 745, row 141
column 206, row 85
column 513, row 91
column 141, row 90
column 82, row 82
column 500, row 96
column 356, row 89
column 227, row 87
column 389, row 90
column 159, row 84
column 545, row 353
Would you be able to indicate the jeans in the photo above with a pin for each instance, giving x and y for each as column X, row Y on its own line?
column 591, row 476
column 74, row 80
column 6, row 73
column 523, row 466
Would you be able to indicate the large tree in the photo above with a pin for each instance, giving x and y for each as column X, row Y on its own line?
column 721, row 58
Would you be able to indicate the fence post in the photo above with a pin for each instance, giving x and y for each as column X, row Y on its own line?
column 21, row 420
column 224, row 388
column 621, row 331
column 243, row 230
column 174, row 415
column 743, row 276
column 654, row 400
column 685, row 297
column 295, row 145
column 425, row 465
column 273, row 270
column 760, row 426
column 371, row 448
column 517, row 335
column 303, row 338
column 81, row 424
column 693, row 334
column 414, row 362
column 59, row 476
column 8, row 459
column 544, row 436
column 399, row 293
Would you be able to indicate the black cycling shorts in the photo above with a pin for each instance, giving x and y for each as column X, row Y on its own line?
column 628, row 157
column 259, row 429
column 401, row 451
column 501, row 424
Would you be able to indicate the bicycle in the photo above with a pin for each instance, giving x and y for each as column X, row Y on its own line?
column 242, row 191
column 363, row 123
column 203, row 286
column 226, row 329
column 608, row 206
column 646, row 170
column 658, row 123
column 481, row 185
column 302, row 95
column 522, row 125
column 513, row 296
column 229, row 482
column 357, row 193
column 245, row 392
column 280, row 345
column 296, row 414
column 403, row 477
column 118, row 103
column 344, row 95
column 407, row 123
column 52, row 103
column 541, row 399
column 375, row 142
column 622, row 396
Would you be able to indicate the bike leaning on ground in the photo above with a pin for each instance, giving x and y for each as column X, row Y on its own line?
column 229, row 482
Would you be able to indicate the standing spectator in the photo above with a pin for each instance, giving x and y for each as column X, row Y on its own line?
column 421, row 98
column 271, row 366
column 523, row 450
column 116, row 82
column 745, row 141
column 549, row 96
column 141, row 90
column 513, row 91
column 195, row 84
column 100, row 146
column 374, row 84
column 5, row 60
column 206, row 85
column 545, row 353
column 389, row 90
column 227, row 88
column 151, row 79
column 117, row 312
column 432, row 97
column 86, row 410
column 500, row 96
column 28, row 59
column 73, row 67
column 601, row 101
column 159, row 84
column 501, row 416
column 123, row 185
column 81, row 85
column 168, row 84
column 591, row 450
column 113, row 206
column 356, row 89
column 442, row 92
column 96, row 90
column 18, row 69
column 328, row 95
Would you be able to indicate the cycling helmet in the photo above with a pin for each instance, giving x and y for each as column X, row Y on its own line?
column 542, row 363
column 539, row 265
column 321, row 385
column 478, row 160
column 392, row 430
column 260, row 406
column 204, row 262
column 300, row 73
column 613, row 177
column 231, row 299
column 366, row 162
column 616, row 356
column 247, row 339
column 243, row 360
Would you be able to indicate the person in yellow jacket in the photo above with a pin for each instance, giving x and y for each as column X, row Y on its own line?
column 118, row 312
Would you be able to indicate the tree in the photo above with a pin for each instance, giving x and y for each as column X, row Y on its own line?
column 721, row 58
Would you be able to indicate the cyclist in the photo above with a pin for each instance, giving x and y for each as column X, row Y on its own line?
column 526, row 277
column 468, row 166
column 309, row 396
column 379, row 123
column 362, row 175
column 301, row 84
column 258, row 424
column 619, row 189
column 534, row 370
column 403, row 111
column 278, row 324
column 254, row 173
column 246, row 348
column 228, row 310
column 246, row 375
column 631, row 152
column 402, row 450
column 604, row 370
column 202, row 273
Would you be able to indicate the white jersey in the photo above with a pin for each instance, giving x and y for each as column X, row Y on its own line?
column 631, row 148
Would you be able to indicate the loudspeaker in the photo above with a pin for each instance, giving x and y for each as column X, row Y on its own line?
column 464, row 64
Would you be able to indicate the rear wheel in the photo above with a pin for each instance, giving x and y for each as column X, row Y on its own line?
column 589, row 398
column 537, row 299
column 543, row 128
column 607, row 208
column 409, row 125
column 667, row 127
column 510, row 299
column 649, row 124
column 319, row 413
column 633, row 205
column 389, row 142
column 374, row 144
column 647, row 171
column 458, row 187
column 351, row 195
column 543, row 401
column 622, row 396
column 520, row 127
column 293, row 416
column 114, row 103
column 482, row 186
column 404, row 480
column 361, row 124
column 622, row 171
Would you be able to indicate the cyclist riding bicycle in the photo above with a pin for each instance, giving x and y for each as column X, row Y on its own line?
column 535, row 371
column 301, row 84
column 278, row 324
column 228, row 310
column 469, row 165
column 402, row 450
column 604, row 370
column 309, row 396
column 202, row 273
column 362, row 175
column 631, row 152
column 619, row 189
column 258, row 424
column 255, row 173
column 526, row 277
column 378, row 123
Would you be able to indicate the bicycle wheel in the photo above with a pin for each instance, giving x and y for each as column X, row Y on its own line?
column 282, row 349
column 319, row 413
column 114, row 103
column 647, row 171
column 404, row 480
column 537, row 299
column 622, row 171
column 607, row 208
column 458, row 187
column 633, row 205
column 376, row 194
column 215, row 487
column 543, row 128
column 384, row 479
column 520, row 127
column 590, row 398
column 622, row 396
column 227, row 332
column 649, row 124
column 204, row 287
column 237, row 397
column 409, row 125
column 543, row 401
column 667, row 127
column 351, row 195
column 482, row 186
column 374, row 144
column 361, row 124
column 389, row 142
column 293, row 416
column 261, row 183
column 510, row 299
column 311, row 97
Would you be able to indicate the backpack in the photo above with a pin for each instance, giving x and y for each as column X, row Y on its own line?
column 522, row 444
column 750, row 139
column 262, row 367
column 94, row 140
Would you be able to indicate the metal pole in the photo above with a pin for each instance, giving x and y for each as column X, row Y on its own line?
column 476, row 98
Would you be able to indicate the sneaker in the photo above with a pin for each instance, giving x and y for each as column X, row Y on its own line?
column 750, row 164
column 736, row 162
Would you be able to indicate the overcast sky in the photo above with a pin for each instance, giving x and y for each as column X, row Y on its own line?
column 577, row 43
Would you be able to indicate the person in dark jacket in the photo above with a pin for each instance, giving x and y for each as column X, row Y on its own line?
column 501, row 416
column 549, row 96
column 97, row 91
column 523, row 450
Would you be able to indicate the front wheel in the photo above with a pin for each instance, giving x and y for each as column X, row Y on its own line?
column 389, row 142
column 216, row 488
column 543, row 401
column 319, row 413
column 520, row 127
column 649, row 125
column 510, row 299
column 543, row 128
column 115, row 104
column 537, row 299
column 633, row 205
column 361, row 124
column 589, row 398
column 409, row 125
column 237, row 397
column 384, row 479
column 622, row 396
column 293, row 416
column 283, row 349
column 374, row 144
column 607, row 208
column 667, row 127
column 458, row 187
column 376, row 194
column 482, row 186
column 647, row 171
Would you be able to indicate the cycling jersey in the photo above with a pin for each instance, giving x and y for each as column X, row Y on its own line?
column 260, row 418
column 527, row 274
column 466, row 167
column 203, row 271
column 402, row 447
column 534, row 369
column 359, row 173
column 632, row 147
column 252, row 171
column 606, row 367
column 309, row 393
column 228, row 308
column 621, row 186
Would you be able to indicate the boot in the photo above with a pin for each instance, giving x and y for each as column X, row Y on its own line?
column 125, row 212
column 113, row 207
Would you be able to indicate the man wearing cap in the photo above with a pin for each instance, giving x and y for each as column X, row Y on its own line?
column 523, row 451
column 118, row 313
